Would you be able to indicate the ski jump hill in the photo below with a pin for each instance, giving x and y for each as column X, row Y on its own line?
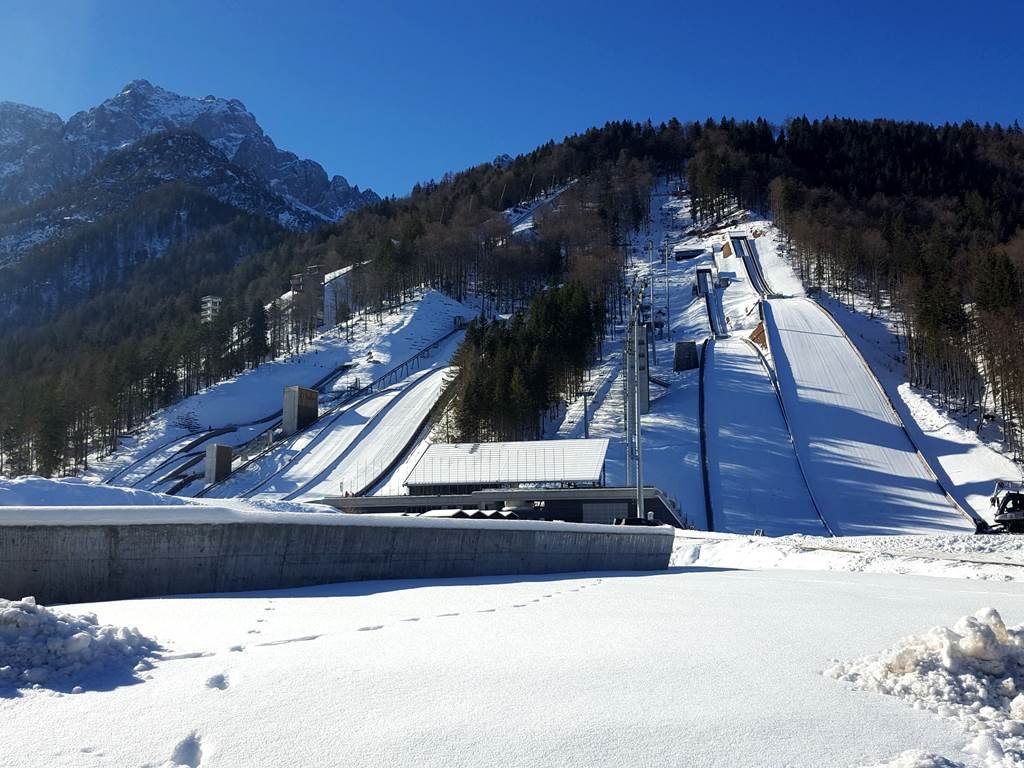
column 803, row 439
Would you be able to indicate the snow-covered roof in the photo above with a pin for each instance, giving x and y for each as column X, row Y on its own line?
column 533, row 461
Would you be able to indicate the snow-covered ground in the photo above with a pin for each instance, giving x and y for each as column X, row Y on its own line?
column 959, row 556
column 970, row 673
column 39, row 491
column 695, row 666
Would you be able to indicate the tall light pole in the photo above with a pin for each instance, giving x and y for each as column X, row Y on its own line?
column 668, row 293
column 639, row 445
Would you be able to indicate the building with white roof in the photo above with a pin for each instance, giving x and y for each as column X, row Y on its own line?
column 465, row 467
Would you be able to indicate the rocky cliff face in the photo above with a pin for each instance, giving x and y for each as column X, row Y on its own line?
column 40, row 154
column 31, row 154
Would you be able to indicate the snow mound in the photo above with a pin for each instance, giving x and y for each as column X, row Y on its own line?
column 957, row 556
column 971, row 673
column 31, row 491
column 915, row 758
column 41, row 646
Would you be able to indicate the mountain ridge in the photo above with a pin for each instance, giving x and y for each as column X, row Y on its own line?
column 40, row 153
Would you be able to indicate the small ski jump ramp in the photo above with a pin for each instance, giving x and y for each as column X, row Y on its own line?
column 862, row 469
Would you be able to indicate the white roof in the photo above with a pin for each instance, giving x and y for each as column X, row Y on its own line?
column 533, row 461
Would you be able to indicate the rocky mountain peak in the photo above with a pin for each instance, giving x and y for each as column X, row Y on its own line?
column 39, row 152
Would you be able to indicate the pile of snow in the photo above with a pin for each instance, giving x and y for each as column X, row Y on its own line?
column 31, row 491
column 40, row 646
column 971, row 673
column 915, row 758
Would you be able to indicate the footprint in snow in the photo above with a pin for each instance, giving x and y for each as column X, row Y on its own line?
column 289, row 640
column 370, row 628
column 488, row 610
column 413, row 618
column 220, row 682
column 519, row 605
column 444, row 615
column 188, row 753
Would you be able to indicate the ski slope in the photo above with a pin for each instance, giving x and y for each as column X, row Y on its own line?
column 346, row 452
column 716, row 311
column 754, row 478
column 239, row 409
column 382, row 445
column 862, row 469
column 306, row 454
column 747, row 251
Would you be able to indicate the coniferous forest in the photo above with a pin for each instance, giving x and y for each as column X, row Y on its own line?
column 927, row 221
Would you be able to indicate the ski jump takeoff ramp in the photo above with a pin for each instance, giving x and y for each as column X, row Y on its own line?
column 862, row 469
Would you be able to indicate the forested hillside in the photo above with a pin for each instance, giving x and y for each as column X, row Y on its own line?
column 924, row 219
column 74, row 382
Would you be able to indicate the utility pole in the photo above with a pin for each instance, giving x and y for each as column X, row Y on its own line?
column 627, row 353
column 639, row 437
column 668, row 293
column 586, row 428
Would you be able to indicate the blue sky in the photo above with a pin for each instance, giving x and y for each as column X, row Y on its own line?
column 389, row 93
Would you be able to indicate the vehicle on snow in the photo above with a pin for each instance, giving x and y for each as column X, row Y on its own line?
column 1008, row 499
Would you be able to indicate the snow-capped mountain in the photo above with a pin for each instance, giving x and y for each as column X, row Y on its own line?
column 40, row 153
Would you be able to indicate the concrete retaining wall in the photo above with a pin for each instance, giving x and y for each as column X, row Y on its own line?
column 85, row 563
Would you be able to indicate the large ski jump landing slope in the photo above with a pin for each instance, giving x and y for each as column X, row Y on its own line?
column 862, row 469
column 754, row 479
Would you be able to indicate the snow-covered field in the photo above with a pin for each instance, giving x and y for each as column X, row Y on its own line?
column 695, row 666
